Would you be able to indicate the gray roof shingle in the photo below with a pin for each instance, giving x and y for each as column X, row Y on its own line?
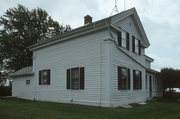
column 26, row 71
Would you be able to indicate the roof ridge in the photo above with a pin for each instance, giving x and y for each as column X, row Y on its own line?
column 78, row 28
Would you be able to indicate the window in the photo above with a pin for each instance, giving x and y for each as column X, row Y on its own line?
column 123, row 78
column 137, row 81
column 75, row 78
column 123, row 39
column 136, row 45
column 28, row 82
column 44, row 77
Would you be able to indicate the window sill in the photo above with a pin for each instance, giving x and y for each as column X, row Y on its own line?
column 75, row 89
column 136, row 53
column 137, row 89
column 124, row 48
column 44, row 85
column 124, row 90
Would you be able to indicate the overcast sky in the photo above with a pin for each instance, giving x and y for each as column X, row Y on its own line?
column 160, row 18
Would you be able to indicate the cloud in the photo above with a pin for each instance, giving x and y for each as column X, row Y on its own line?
column 162, row 62
column 178, row 48
column 160, row 18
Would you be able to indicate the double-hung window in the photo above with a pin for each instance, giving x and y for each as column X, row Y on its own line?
column 123, row 78
column 123, row 39
column 136, row 45
column 44, row 77
column 137, row 80
column 75, row 78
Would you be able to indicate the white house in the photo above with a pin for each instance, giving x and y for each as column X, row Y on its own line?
column 102, row 63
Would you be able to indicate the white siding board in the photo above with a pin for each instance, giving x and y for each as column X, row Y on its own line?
column 22, row 90
column 120, row 97
column 147, row 64
column 79, row 52
column 133, row 31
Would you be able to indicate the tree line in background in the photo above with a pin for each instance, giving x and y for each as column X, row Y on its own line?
column 20, row 28
column 170, row 78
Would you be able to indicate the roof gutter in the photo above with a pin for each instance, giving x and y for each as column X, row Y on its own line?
column 21, row 75
column 151, row 71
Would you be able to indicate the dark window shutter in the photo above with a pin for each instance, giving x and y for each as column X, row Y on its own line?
column 39, row 77
column 68, row 78
column 119, row 77
column 49, row 76
column 119, row 38
column 133, row 43
column 140, row 80
column 127, row 43
column 82, row 78
column 134, row 80
column 129, row 79
column 139, row 47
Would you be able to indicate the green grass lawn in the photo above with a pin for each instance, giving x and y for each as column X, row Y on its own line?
column 24, row 109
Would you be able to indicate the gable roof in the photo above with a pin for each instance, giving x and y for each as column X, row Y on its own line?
column 132, row 12
column 26, row 71
column 97, row 25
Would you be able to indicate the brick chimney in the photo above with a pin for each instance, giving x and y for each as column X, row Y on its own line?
column 87, row 19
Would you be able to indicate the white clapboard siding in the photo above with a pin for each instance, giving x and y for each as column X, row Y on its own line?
column 120, row 97
column 84, row 51
column 129, row 25
column 147, row 64
column 21, row 89
column 118, row 58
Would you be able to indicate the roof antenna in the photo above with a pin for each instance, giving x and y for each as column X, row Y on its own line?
column 115, row 9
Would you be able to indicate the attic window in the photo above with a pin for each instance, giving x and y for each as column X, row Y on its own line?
column 136, row 45
column 123, row 39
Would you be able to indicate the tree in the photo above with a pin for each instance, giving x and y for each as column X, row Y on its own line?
column 170, row 78
column 21, row 28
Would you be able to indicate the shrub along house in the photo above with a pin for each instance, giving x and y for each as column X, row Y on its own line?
column 102, row 63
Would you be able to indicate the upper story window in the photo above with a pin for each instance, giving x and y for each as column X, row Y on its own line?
column 123, row 39
column 44, row 77
column 136, row 45
column 123, row 78
column 75, row 78
column 137, row 79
